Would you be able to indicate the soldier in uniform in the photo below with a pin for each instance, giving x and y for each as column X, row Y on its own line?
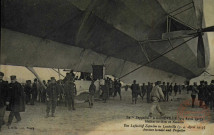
column 149, row 89
column 104, row 93
column 44, row 92
column 175, row 89
column 92, row 89
column 167, row 92
column 143, row 90
column 117, row 85
column 27, row 90
column 135, row 90
column 15, row 100
column 110, row 87
column 194, row 93
column 179, row 88
column 53, row 93
column 107, row 83
column 164, row 90
column 206, row 94
column 70, row 92
column 211, row 91
column 170, row 89
column 61, row 92
column 200, row 93
column 34, row 92
column 3, row 95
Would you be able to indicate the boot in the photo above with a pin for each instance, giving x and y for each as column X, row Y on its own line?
column 150, row 114
column 52, row 115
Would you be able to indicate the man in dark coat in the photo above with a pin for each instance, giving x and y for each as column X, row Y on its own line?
column 53, row 94
column 211, row 93
column 194, row 93
column 117, row 86
column 28, row 90
column 3, row 95
column 206, row 95
column 34, row 92
column 143, row 90
column 164, row 89
column 111, row 85
column 15, row 99
column 104, row 89
column 200, row 93
column 135, row 91
column 70, row 93
column 149, row 89
column 167, row 91
column 179, row 88
column 170, row 89
column 92, row 89
column 176, row 89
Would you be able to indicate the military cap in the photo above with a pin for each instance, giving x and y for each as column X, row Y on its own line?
column 201, row 82
column 53, row 78
column 158, row 82
column 12, row 77
column 28, row 81
column 1, row 74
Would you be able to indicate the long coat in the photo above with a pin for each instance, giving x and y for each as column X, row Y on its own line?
column 53, row 91
column 70, row 89
column 3, row 93
column 16, row 97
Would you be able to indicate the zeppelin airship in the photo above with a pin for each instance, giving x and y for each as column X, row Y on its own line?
column 145, row 40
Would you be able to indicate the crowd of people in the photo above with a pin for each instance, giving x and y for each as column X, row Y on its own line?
column 161, row 92
column 15, row 96
column 143, row 90
column 205, row 94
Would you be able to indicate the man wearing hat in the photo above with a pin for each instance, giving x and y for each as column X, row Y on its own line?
column 135, row 90
column 156, row 96
column 3, row 95
column 28, row 91
column 148, row 92
column 194, row 93
column 211, row 91
column 70, row 93
column 200, row 93
column 92, row 90
column 15, row 99
column 34, row 91
column 53, row 94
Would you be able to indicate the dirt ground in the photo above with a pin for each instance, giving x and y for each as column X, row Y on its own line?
column 103, row 118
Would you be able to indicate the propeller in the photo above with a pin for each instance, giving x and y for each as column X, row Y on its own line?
column 190, row 33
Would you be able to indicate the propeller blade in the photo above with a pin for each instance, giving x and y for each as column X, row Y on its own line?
column 179, row 34
column 208, row 29
column 200, row 52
